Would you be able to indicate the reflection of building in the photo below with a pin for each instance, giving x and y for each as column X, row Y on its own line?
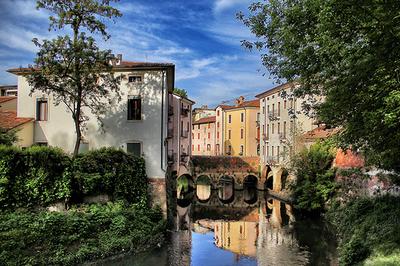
column 280, row 121
column 236, row 128
column 239, row 237
column 203, row 136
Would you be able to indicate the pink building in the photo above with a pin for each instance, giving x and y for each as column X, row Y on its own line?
column 179, row 132
column 203, row 136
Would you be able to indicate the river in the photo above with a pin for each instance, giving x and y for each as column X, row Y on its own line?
column 262, row 232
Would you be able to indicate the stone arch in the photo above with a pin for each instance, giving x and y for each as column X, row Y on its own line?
column 226, row 189
column 203, row 188
column 250, row 189
column 184, row 190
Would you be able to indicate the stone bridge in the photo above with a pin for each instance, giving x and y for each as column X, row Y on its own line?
column 227, row 174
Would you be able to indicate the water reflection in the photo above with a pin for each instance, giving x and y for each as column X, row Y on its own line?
column 266, row 233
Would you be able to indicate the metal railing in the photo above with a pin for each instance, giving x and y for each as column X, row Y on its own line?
column 185, row 111
column 273, row 115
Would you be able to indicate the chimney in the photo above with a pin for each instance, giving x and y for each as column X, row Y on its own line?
column 118, row 59
column 239, row 100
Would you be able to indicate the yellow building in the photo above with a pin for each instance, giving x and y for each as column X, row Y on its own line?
column 240, row 135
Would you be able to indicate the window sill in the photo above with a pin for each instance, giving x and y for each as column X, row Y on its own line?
column 134, row 121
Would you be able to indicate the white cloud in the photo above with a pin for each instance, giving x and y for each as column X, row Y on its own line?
column 221, row 5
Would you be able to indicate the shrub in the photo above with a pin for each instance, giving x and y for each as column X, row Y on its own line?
column 315, row 183
column 113, row 172
column 367, row 226
column 35, row 176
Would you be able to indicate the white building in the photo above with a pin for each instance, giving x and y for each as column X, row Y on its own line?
column 137, row 124
column 282, row 123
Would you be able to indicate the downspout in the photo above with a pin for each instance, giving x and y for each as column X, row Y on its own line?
column 162, row 122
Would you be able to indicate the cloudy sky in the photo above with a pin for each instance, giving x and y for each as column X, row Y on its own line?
column 202, row 38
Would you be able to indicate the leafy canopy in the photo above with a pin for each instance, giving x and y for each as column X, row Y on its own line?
column 346, row 51
column 181, row 92
column 8, row 138
column 73, row 69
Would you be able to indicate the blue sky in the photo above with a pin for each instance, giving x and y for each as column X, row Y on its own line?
column 202, row 38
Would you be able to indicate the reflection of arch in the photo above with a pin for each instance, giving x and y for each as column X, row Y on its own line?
column 226, row 186
column 203, row 188
column 250, row 189
column 184, row 190
column 269, row 178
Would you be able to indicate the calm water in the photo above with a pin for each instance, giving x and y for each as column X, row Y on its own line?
column 265, row 232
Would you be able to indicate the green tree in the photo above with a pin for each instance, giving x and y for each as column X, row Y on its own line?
column 74, row 70
column 346, row 51
column 181, row 92
column 7, row 137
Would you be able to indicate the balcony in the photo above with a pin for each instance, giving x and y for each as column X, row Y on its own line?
column 258, row 123
column 265, row 137
column 184, row 157
column 184, row 133
column 170, row 110
column 273, row 115
column 170, row 133
column 185, row 111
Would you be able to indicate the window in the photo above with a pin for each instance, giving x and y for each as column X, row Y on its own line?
column 134, row 108
column 272, row 151
column 217, row 124
column 192, row 147
column 198, row 126
column 229, row 119
column 284, row 104
column 267, row 151
column 218, row 113
column 192, row 135
column 284, row 129
column 229, row 134
column 268, row 108
column 209, row 125
column 134, row 148
column 279, row 127
column 279, row 108
column 273, row 107
column 41, row 110
column 263, row 129
column 277, row 153
column 209, row 135
column 241, row 133
column 291, row 127
column 291, row 103
column 267, row 131
column 135, row 79
column 208, row 147
column 198, row 135
column 241, row 117
column 217, row 148
column 198, row 147
column 273, row 128
column 263, row 110
column 241, row 149
column 229, row 149
column 217, row 134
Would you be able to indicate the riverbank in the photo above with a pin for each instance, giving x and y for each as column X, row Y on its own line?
column 82, row 234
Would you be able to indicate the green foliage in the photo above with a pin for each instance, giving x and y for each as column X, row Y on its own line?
column 315, row 183
column 345, row 51
column 367, row 226
column 181, row 92
column 39, row 176
column 35, row 176
column 70, row 68
column 8, row 137
column 86, row 233
column 113, row 172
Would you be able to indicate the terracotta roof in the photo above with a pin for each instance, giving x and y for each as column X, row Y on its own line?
column 9, row 120
column 321, row 132
column 275, row 89
column 4, row 99
column 252, row 103
column 122, row 65
column 205, row 120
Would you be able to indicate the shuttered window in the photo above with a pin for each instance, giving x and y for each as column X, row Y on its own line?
column 41, row 110
column 134, row 108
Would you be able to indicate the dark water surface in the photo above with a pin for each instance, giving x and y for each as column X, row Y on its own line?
column 263, row 233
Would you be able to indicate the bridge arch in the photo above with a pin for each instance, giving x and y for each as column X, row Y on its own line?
column 250, row 189
column 203, row 188
column 269, row 178
column 226, row 189
column 184, row 190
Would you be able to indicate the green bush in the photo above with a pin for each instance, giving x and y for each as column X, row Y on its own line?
column 113, row 172
column 315, row 179
column 35, row 176
column 82, row 234
column 367, row 226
